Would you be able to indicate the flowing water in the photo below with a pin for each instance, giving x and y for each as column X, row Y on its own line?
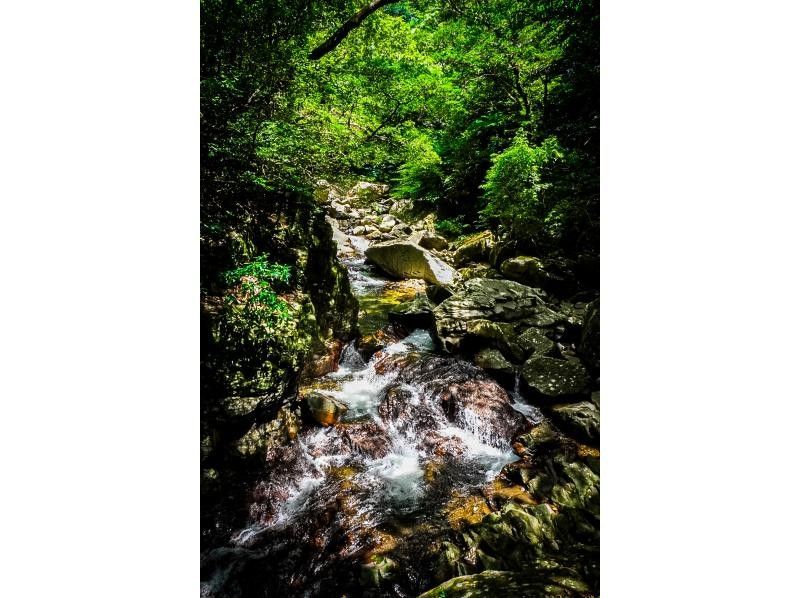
column 422, row 434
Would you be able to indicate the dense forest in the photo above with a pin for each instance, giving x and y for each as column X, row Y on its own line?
column 400, row 297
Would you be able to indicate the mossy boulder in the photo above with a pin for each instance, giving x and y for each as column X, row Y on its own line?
column 499, row 335
column 475, row 248
column 554, row 275
column 365, row 194
column 501, row 301
column 581, row 419
column 480, row 270
column 493, row 361
column 553, row 378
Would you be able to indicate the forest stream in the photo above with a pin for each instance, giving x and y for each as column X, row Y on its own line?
column 411, row 444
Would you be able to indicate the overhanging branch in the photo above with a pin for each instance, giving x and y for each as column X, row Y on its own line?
column 343, row 31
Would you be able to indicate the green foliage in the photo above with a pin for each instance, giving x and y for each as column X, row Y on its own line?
column 262, row 269
column 450, row 227
column 254, row 300
column 423, row 93
column 420, row 176
column 514, row 189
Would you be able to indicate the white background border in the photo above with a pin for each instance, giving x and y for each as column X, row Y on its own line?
column 99, row 246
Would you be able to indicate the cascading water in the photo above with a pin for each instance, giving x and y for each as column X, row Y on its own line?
column 420, row 431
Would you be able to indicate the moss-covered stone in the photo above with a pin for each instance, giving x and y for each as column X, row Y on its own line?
column 581, row 419
column 475, row 248
column 492, row 360
column 549, row 377
column 534, row 342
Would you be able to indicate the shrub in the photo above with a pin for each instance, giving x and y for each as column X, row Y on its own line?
column 514, row 190
column 420, row 176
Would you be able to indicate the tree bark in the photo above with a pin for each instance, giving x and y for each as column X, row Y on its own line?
column 343, row 31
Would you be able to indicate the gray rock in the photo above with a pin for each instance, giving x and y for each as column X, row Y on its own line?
column 404, row 259
column 429, row 240
column 414, row 314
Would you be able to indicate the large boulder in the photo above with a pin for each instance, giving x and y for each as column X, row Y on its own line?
column 476, row 248
column 553, row 378
column 405, row 259
column 485, row 299
column 553, row 275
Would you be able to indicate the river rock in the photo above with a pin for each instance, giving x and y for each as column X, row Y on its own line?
column 401, row 229
column 359, row 230
column 496, row 334
column 476, row 248
column 337, row 210
column 534, row 342
column 553, row 275
column 404, row 259
column 508, row 583
column 554, row 377
column 429, row 240
column 324, row 409
column 387, row 224
column 484, row 299
column 467, row 396
column 582, row 419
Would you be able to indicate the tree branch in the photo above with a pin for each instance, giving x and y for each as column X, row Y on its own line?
column 343, row 31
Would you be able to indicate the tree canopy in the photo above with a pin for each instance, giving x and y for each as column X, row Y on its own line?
column 483, row 110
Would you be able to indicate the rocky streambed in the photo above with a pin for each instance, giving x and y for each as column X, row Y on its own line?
column 456, row 443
